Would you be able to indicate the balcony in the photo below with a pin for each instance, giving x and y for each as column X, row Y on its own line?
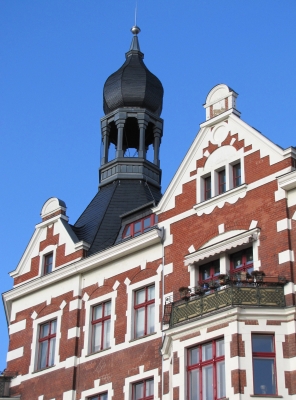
column 196, row 303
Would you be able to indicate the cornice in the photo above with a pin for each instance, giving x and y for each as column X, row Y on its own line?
column 120, row 250
column 287, row 181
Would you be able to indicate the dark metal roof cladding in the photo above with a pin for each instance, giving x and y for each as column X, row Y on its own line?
column 133, row 85
column 100, row 223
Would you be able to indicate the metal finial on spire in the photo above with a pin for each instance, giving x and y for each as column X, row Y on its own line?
column 135, row 30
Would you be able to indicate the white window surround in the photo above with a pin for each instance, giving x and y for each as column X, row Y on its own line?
column 220, row 248
column 49, row 249
column 97, row 389
column 88, row 317
column 130, row 306
column 35, row 343
column 128, row 384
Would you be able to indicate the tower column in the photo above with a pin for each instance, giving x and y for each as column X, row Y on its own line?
column 105, row 134
column 120, row 125
column 156, row 144
column 143, row 123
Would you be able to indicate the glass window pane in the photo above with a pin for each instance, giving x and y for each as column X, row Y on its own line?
column 51, row 351
column 264, row 376
column 237, row 260
column 98, row 312
column 140, row 296
column 139, row 390
column 193, row 356
column 249, row 255
column 262, row 343
column 42, row 354
column 138, row 226
column 103, row 396
column 194, row 384
column 147, row 222
column 108, row 308
column 53, row 327
column 97, row 337
column 220, row 348
column 216, row 268
column 207, row 353
column 140, row 322
column 151, row 292
column 221, row 389
column 150, row 318
column 106, row 339
column 149, row 387
column 127, row 231
column 44, row 330
column 207, row 383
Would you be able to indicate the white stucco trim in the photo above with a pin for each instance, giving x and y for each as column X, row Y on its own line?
column 128, row 382
column 97, row 389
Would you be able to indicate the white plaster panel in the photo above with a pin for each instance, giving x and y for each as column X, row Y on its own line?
column 221, row 228
column 168, row 268
column 71, row 361
column 70, row 395
column 73, row 332
column 75, row 304
column 287, row 255
column 13, row 354
column 191, row 249
column 41, row 397
column 279, row 195
column 17, row 327
column 283, row 224
column 34, row 298
column 291, row 197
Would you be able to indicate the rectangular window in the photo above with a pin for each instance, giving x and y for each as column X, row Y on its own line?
column 206, row 371
column 242, row 260
column 46, row 345
column 103, row 396
column 47, row 263
column 237, row 181
column 208, row 190
column 101, row 322
column 209, row 270
column 144, row 306
column 222, row 181
column 143, row 390
column 264, row 375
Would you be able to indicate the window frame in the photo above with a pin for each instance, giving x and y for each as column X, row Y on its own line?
column 222, row 181
column 134, row 231
column 103, row 320
column 99, row 396
column 211, row 265
column 50, row 338
column 144, row 305
column 213, row 360
column 46, row 257
column 245, row 266
column 265, row 355
column 207, row 187
column 144, row 381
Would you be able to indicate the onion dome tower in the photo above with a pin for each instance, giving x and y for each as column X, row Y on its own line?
column 132, row 105
column 129, row 185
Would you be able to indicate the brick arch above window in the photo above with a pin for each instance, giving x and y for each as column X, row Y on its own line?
column 144, row 274
column 100, row 291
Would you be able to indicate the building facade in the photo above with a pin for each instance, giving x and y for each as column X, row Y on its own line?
column 186, row 295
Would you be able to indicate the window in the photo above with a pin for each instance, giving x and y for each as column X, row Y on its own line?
column 101, row 322
column 206, row 371
column 46, row 346
column 103, row 396
column 242, row 260
column 47, row 263
column 144, row 305
column 236, row 175
column 209, row 270
column 140, row 226
column 222, row 181
column 264, row 375
column 208, row 191
column 143, row 390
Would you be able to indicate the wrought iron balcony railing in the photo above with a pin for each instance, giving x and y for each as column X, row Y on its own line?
column 196, row 304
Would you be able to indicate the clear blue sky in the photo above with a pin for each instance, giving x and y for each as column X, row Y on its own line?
column 57, row 54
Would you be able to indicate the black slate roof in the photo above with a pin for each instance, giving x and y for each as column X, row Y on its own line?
column 100, row 223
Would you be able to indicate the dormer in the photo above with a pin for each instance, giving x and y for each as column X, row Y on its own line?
column 220, row 99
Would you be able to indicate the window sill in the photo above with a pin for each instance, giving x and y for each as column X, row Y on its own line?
column 274, row 396
column 142, row 337
column 231, row 196
column 98, row 352
column 43, row 369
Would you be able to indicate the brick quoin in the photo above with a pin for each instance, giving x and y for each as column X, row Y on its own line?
column 176, row 363
column 216, row 327
column 190, row 336
column 238, row 380
column 237, row 346
column 290, row 382
column 289, row 346
column 166, row 382
column 176, row 393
